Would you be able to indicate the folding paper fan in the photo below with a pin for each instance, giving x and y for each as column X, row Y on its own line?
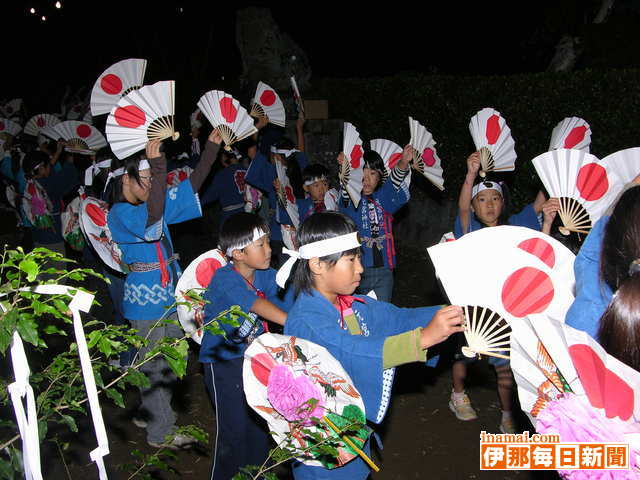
column 447, row 237
column 142, row 115
column 572, row 132
column 88, row 118
column 49, row 132
column 93, row 222
column 195, row 119
column 267, row 103
column 296, row 95
column 514, row 271
column 9, row 127
column 195, row 279
column 486, row 332
column 70, row 219
column 274, row 364
column 582, row 184
column 492, row 137
column 289, row 237
column 78, row 111
column 178, row 175
column 624, row 164
column 351, row 170
column 12, row 108
column 390, row 152
column 37, row 206
column 115, row 82
column 227, row 115
column 285, row 195
column 40, row 121
column 80, row 137
column 425, row 157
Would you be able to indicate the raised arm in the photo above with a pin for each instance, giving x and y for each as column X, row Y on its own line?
column 155, row 202
column 209, row 155
column 464, row 201
column 300, row 131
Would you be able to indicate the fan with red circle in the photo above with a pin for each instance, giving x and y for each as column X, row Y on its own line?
column 227, row 115
column 9, row 127
column 115, row 82
column 351, row 169
column 572, row 132
column 389, row 151
column 93, row 222
column 583, row 185
column 12, row 108
column 40, row 121
column 492, row 138
column 425, row 158
column 267, row 103
column 80, row 137
column 178, row 175
column 285, row 194
column 624, row 164
column 190, row 287
column 142, row 115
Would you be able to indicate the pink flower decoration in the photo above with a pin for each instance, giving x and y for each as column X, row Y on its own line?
column 290, row 395
column 38, row 206
column 575, row 420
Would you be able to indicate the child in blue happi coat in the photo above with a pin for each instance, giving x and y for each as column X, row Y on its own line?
column 381, row 198
column 368, row 337
column 319, row 198
column 141, row 210
column 242, row 437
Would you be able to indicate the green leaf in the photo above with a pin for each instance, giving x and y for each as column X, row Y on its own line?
column 6, row 470
column 105, row 346
column 93, row 339
column 137, row 378
column 52, row 329
column 116, row 396
column 43, row 428
column 71, row 423
column 28, row 330
column 176, row 360
column 30, row 268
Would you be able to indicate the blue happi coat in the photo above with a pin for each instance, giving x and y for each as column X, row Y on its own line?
column 527, row 217
column 227, row 188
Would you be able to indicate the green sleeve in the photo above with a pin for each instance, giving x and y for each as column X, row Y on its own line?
column 403, row 348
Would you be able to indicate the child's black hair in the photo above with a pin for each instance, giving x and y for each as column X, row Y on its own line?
column 373, row 161
column 321, row 226
column 314, row 171
column 32, row 160
column 130, row 164
column 238, row 230
column 503, row 219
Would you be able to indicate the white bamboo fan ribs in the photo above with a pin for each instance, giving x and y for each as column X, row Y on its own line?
column 572, row 132
column 227, row 115
column 351, row 170
column 80, row 137
column 38, row 122
column 425, row 158
column 9, row 127
column 486, row 332
column 581, row 182
column 492, row 138
column 142, row 115
column 115, row 82
column 296, row 95
column 389, row 151
column 267, row 103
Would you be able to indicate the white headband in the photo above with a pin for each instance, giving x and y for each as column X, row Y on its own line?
column 316, row 249
column 94, row 169
column 258, row 233
column 143, row 165
column 485, row 186
column 315, row 179
column 283, row 151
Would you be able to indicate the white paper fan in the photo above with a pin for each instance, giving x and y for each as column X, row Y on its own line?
column 88, row 118
column 142, row 115
column 492, row 137
column 625, row 164
column 572, row 132
column 447, row 237
column 351, row 171
column 12, row 107
column 390, row 152
column 581, row 183
column 514, row 271
column 115, row 82
column 286, row 196
column 93, row 222
column 227, row 115
column 9, row 127
column 296, row 95
column 425, row 158
column 80, row 137
column 196, row 278
column 49, row 132
column 266, row 102
column 486, row 332
column 40, row 121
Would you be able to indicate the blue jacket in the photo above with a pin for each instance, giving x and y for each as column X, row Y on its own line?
column 527, row 217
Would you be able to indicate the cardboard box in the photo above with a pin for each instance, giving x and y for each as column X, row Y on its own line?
column 316, row 109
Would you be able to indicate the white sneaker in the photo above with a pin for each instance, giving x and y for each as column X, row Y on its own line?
column 462, row 408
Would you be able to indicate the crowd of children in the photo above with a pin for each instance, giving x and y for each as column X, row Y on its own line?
column 316, row 291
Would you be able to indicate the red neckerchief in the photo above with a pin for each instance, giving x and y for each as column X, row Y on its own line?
column 259, row 293
column 344, row 302
column 318, row 207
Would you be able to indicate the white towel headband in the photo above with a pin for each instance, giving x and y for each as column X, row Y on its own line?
column 485, row 186
column 94, row 169
column 283, row 151
column 143, row 165
column 315, row 179
column 319, row 249
column 258, row 233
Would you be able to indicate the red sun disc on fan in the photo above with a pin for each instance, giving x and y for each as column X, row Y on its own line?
column 205, row 271
column 96, row 215
column 41, row 122
column 111, row 84
column 268, row 98
column 289, row 194
column 394, row 159
column 228, row 110
column 83, row 131
column 575, row 137
column 526, row 291
column 261, row 366
column 592, row 182
column 429, row 157
column 355, row 156
column 541, row 249
column 493, row 129
column 130, row 116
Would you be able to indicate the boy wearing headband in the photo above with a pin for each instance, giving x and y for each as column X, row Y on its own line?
column 319, row 198
column 369, row 338
column 242, row 437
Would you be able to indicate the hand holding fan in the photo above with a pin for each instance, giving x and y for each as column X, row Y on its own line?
column 351, row 169
column 80, row 137
column 572, row 132
column 267, row 103
column 227, row 115
column 285, row 194
column 425, row 157
column 296, row 95
column 115, row 82
column 40, row 121
column 492, row 138
column 486, row 332
column 196, row 279
column 142, row 115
